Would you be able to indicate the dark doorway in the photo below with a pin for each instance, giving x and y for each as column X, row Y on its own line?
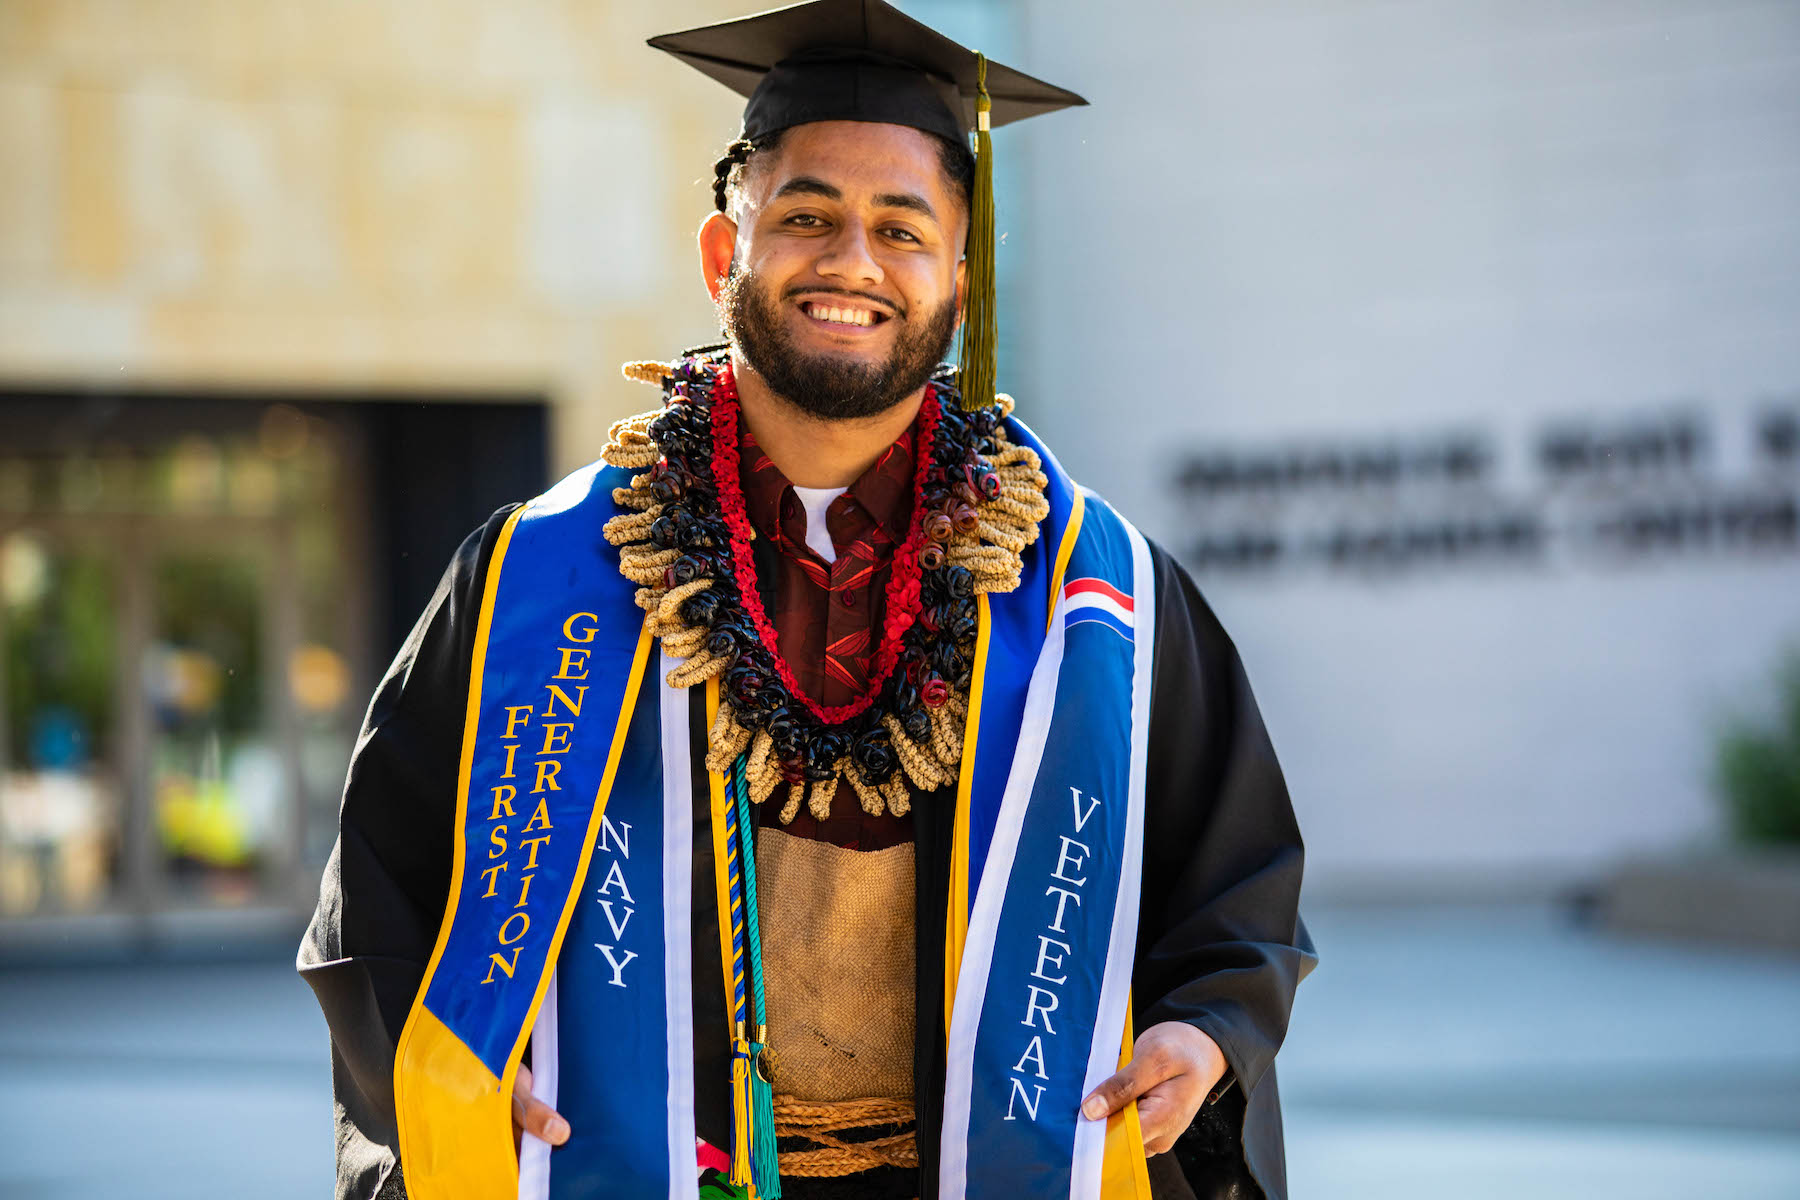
column 435, row 473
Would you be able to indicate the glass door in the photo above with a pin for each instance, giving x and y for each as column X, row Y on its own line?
column 183, row 603
column 221, row 757
column 62, row 786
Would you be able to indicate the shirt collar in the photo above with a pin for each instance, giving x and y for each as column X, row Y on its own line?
column 885, row 490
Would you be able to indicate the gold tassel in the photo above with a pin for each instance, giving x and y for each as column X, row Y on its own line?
column 740, row 1108
column 980, row 337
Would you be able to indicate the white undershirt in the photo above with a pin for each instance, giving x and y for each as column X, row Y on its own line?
column 816, row 501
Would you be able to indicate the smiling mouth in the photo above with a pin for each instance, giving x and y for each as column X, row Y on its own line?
column 842, row 316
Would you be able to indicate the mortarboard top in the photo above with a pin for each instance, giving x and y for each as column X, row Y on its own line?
column 856, row 60
column 865, row 60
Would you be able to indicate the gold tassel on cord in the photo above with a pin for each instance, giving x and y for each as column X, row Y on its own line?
column 740, row 1108
column 980, row 335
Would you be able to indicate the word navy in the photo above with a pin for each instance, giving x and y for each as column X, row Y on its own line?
column 614, row 895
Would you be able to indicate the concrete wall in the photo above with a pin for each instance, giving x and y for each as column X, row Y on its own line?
column 437, row 195
column 1354, row 223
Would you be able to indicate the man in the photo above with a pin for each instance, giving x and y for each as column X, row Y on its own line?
column 822, row 793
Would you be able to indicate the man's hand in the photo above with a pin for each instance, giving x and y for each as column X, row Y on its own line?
column 533, row 1116
column 1173, row 1066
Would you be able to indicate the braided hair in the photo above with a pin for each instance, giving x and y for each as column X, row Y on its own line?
column 728, row 172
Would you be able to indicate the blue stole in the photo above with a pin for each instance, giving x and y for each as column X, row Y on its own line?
column 570, row 919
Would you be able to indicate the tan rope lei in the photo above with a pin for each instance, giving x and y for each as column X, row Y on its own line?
column 992, row 553
column 817, row 1122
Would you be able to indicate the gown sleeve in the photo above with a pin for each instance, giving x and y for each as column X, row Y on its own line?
column 387, row 882
column 1220, row 941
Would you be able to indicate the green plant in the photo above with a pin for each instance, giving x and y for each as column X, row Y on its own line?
column 1757, row 767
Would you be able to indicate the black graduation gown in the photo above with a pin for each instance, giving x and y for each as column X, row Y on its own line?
column 1220, row 941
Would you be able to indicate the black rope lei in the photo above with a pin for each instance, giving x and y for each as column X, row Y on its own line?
column 937, row 651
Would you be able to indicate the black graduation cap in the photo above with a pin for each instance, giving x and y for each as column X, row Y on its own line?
column 856, row 60
column 865, row 60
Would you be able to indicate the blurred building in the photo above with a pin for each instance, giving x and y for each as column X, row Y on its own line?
column 1452, row 346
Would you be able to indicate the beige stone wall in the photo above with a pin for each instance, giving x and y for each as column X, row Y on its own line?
column 454, row 196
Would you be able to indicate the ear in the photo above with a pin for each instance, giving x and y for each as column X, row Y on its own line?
column 718, row 243
column 962, row 276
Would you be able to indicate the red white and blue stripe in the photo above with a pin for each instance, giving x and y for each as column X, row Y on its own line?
column 1098, row 602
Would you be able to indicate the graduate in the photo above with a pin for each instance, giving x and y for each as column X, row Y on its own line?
column 820, row 794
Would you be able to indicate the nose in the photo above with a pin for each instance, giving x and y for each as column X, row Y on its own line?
column 849, row 258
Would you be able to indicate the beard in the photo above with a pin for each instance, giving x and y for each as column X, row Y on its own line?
column 828, row 386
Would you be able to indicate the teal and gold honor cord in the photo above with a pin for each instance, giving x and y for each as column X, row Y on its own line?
column 753, row 1157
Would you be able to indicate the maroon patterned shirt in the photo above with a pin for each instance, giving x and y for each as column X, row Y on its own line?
column 828, row 616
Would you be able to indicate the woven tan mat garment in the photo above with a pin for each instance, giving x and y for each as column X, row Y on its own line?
column 837, row 934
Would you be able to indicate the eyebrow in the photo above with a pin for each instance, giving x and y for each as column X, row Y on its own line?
column 911, row 201
column 811, row 185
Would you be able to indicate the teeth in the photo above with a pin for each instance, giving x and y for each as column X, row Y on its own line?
column 843, row 316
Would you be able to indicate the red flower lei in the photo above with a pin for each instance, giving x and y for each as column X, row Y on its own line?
column 903, row 602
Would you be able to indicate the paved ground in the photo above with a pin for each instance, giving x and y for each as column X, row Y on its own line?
column 1488, row 1053
column 1465, row 1054
column 157, row 1082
